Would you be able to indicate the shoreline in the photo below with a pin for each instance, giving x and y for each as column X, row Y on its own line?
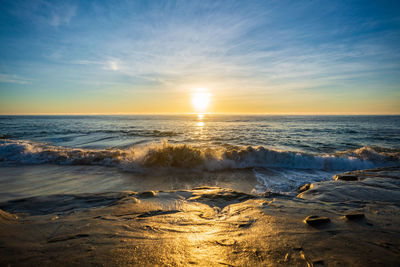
column 357, row 225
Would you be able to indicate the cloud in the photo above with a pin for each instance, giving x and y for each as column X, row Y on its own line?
column 258, row 47
column 106, row 64
column 42, row 12
column 61, row 15
column 7, row 78
column 111, row 65
column 235, row 46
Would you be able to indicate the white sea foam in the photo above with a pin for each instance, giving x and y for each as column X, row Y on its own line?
column 166, row 155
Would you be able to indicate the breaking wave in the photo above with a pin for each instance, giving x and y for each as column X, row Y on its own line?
column 167, row 155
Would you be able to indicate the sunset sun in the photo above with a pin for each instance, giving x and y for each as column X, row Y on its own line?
column 201, row 100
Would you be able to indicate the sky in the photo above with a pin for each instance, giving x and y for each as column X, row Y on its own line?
column 263, row 57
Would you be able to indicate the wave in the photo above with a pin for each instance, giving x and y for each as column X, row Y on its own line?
column 167, row 155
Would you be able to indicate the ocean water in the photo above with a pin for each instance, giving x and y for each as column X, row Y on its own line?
column 67, row 154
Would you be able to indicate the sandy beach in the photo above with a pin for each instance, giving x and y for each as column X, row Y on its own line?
column 355, row 223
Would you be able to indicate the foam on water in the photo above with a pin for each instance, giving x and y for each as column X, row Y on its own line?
column 280, row 152
column 183, row 156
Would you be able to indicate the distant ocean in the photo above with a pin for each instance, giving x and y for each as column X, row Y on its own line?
column 277, row 153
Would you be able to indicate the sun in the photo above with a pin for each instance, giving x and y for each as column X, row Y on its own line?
column 201, row 100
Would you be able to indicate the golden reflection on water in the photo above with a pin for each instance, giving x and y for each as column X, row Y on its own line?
column 200, row 118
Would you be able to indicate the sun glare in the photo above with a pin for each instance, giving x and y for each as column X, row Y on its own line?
column 201, row 100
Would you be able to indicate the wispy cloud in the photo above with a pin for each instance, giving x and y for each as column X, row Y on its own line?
column 238, row 46
column 61, row 15
column 239, row 49
column 43, row 12
column 9, row 78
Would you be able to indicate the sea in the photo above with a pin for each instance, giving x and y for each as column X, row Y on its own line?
column 47, row 155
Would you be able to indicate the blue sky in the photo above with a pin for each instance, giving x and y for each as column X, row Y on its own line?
column 148, row 56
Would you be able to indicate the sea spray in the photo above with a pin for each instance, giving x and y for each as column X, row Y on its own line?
column 167, row 155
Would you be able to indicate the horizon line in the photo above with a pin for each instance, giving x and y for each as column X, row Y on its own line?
column 202, row 113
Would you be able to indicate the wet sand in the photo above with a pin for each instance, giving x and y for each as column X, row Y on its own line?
column 357, row 223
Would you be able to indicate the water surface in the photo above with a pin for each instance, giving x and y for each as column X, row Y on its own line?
column 132, row 152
